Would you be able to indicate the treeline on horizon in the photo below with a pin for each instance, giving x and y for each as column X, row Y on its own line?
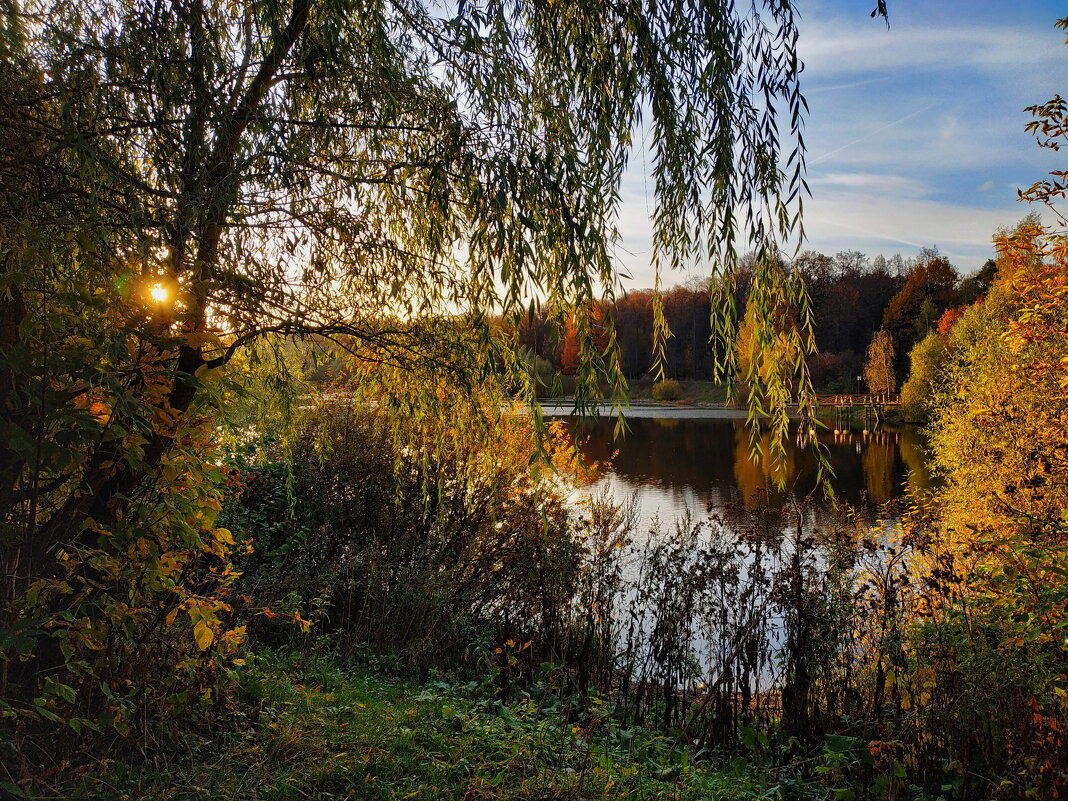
column 853, row 296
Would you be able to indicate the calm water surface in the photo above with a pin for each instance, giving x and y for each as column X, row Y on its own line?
column 692, row 461
column 682, row 460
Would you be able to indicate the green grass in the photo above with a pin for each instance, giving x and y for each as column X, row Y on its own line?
column 692, row 391
column 319, row 732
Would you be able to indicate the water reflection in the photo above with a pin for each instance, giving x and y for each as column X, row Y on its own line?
column 689, row 464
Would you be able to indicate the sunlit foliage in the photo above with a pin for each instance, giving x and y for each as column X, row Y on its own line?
column 407, row 534
column 999, row 417
column 930, row 288
column 999, row 429
column 926, row 360
column 879, row 369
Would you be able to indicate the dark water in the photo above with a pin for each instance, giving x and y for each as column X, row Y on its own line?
column 692, row 463
column 696, row 462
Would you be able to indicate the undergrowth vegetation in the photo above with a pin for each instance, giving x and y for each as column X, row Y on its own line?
column 305, row 728
column 416, row 537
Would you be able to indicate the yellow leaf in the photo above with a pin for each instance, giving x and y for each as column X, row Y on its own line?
column 203, row 635
column 224, row 535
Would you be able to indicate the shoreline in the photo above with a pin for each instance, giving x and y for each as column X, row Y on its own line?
column 564, row 407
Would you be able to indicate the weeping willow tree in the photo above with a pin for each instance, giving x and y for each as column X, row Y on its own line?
column 185, row 179
column 359, row 169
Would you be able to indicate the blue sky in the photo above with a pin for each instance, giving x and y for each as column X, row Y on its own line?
column 915, row 135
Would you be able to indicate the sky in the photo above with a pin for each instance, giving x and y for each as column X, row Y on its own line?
column 915, row 136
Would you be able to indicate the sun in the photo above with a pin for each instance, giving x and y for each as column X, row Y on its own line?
column 158, row 293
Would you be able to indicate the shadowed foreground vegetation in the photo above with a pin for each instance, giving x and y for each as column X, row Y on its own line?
column 921, row 661
column 303, row 728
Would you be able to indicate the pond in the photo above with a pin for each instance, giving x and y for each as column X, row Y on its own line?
column 691, row 597
column 678, row 460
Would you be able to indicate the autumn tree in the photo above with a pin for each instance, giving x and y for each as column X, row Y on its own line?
column 926, row 365
column 751, row 368
column 570, row 363
column 973, row 287
column 930, row 288
column 999, row 416
column 1001, row 413
column 849, row 293
column 879, row 369
column 633, row 316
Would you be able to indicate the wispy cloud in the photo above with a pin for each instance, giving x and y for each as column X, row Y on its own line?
column 878, row 223
column 893, row 185
column 839, row 87
column 836, row 49
column 872, row 133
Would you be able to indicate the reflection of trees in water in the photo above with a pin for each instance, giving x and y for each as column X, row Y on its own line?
column 913, row 453
column 594, row 461
column 883, row 464
column 755, row 477
column 877, row 460
column 710, row 458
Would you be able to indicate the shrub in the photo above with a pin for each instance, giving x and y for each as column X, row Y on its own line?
column 928, row 357
column 404, row 539
column 668, row 390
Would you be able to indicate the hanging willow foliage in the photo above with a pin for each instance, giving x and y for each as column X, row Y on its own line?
column 389, row 175
column 307, row 165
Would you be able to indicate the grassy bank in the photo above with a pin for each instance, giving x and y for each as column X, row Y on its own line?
column 641, row 392
column 318, row 731
column 692, row 391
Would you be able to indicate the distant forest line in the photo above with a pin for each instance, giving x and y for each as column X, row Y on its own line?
column 852, row 297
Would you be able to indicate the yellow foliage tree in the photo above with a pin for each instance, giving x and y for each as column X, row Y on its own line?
column 1001, row 418
column 879, row 370
column 927, row 360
